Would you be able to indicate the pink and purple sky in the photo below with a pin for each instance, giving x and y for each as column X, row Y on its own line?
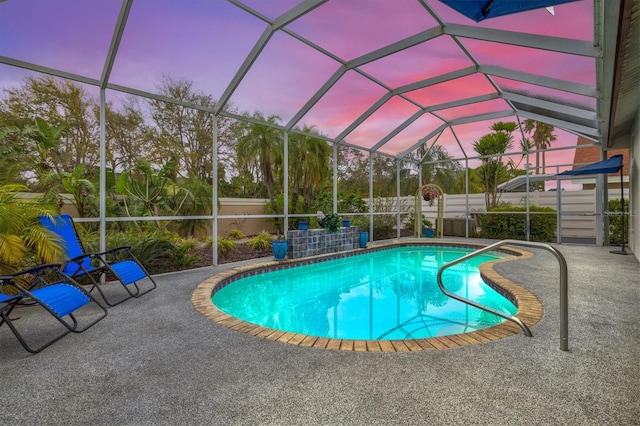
column 206, row 42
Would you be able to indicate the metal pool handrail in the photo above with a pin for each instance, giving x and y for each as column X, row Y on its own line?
column 564, row 304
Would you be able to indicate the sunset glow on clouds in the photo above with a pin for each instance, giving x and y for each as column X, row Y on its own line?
column 206, row 42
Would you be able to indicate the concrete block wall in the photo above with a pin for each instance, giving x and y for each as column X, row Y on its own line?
column 312, row 242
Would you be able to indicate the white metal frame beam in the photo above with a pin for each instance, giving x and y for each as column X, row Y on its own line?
column 553, row 106
column 289, row 16
column 115, row 42
column 560, row 123
column 539, row 80
column 534, row 41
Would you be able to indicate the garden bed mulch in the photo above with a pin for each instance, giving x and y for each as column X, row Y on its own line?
column 239, row 253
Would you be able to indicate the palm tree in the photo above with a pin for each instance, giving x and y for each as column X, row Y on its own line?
column 46, row 138
column 21, row 233
column 82, row 190
column 309, row 166
column 263, row 145
column 492, row 147
column 542, row 135
column 439, row 168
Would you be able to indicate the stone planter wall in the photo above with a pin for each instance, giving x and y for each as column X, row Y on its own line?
column 313, row 242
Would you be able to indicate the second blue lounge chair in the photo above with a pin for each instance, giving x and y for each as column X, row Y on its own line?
column 49, row 288
column 120, row 262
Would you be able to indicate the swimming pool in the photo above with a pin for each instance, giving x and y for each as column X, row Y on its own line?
column 381, row 295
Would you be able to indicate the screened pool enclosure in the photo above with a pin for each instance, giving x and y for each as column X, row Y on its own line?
column 335, row 106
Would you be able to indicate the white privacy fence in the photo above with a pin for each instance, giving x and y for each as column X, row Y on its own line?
column 578, row 208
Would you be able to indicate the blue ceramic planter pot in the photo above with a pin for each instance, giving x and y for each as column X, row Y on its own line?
column 303, row 226
column 364, row 239
column 428, row 232
column 346, row 223
column 280, row 249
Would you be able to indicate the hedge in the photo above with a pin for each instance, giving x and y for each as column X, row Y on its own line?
column 509, row 222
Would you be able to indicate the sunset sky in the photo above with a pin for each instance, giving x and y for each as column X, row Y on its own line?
column 207, row 41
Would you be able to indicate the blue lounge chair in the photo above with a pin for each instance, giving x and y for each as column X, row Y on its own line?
column 49, row 288
column 118, row 263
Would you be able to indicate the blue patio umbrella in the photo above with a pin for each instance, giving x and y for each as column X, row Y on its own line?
column 479, row 10
column 610, row 165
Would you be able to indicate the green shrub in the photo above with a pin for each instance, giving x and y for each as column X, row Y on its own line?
column 615, row 222
column 383, row 227
column 426, row 223
column 509, row 222
column 158, row 251
column 235, row 234
column 188, row 244
column 260, row 241
column 225, row 245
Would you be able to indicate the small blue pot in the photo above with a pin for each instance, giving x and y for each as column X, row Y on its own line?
column 280, row 249
column 364, row 239
column 428, row 232
column 303, row 226
column 346, row 223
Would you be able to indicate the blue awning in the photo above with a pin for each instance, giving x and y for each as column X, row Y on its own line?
column 610, row 165
column 484, row 9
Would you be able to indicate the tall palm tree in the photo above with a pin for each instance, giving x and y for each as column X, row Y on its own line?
column 439, row 168
column 492, row 147
column 309, row 166
column 542, row 135
column 264, row 146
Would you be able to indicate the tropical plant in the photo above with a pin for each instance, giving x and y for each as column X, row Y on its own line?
column 491, row 147
column 235, row 234
column 158, row 250
column 309, row 168
column 439, row 168
column 151, row 191
column 21, row 233
column 542, row 135
column 330, row 221
column 81, row 189
column 47, row 138
column 260, row 241
column 225, row 245
column 261, row 146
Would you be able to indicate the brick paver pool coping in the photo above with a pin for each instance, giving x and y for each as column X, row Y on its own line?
column 529, row 307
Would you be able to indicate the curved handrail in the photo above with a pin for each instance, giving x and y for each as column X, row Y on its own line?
column 564, row 304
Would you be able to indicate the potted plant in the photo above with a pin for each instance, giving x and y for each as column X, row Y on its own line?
column 329, row 221
column 280, row 247
column 427, row 228
column 429, row 195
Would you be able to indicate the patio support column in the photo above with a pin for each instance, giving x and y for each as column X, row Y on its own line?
column 286, row 184
column 605, row 202
column 335, row 177
column 103, row 170
column 466, row 197
column 558, row 212
column 601, row 195
column 528, row 222
column 398, row 198
column 370, row 196
column 214, row 187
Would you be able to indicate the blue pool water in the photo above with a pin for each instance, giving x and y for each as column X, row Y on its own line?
column 382, row 295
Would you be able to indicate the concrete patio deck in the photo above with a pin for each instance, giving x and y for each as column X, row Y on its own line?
column 156, row 361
